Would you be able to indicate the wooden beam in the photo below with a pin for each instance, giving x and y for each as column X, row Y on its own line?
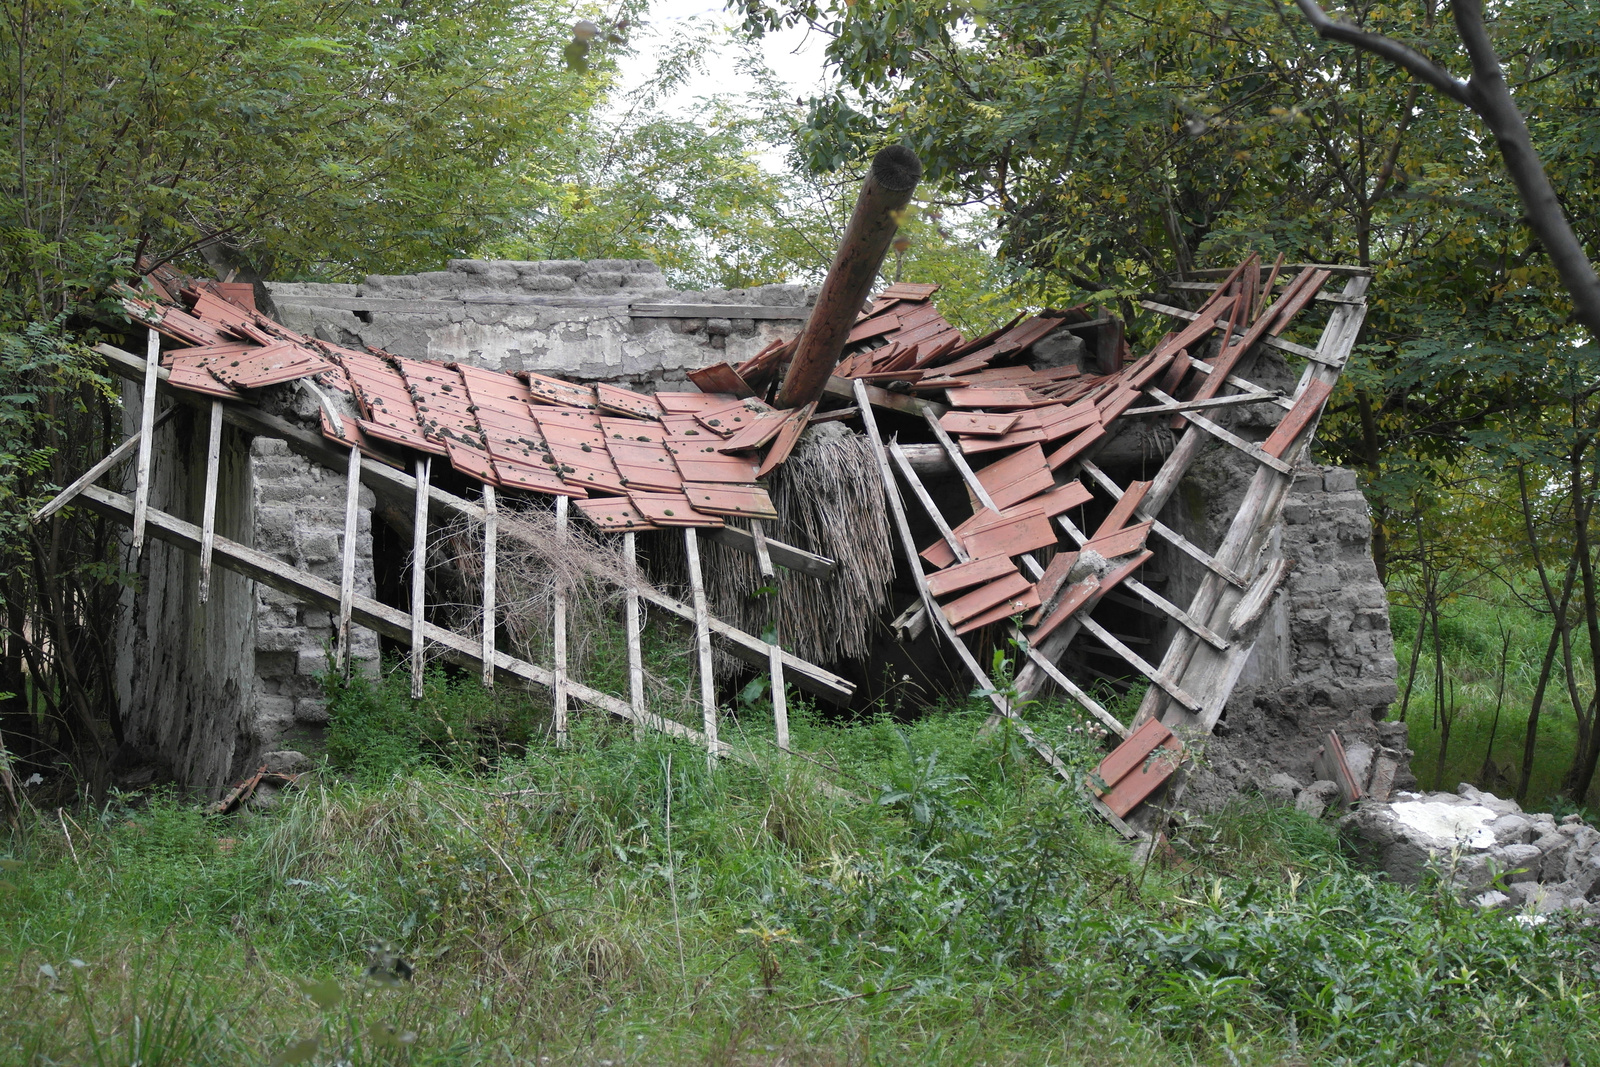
column 208, row 508
column 633, row 627
column 796, row 559
column 559, row 642
column 96, row 472
column 775, row 680
column 931, row 610
column 974, row 485
column 388, row 621
column 419, row 571
column 1138, row 662
column 147, row 426
column 491, row 581
column 1222, row 433
column 758, row 653
column 844, row 389
column 1210, row 402
column 347, row 559
column 1146, row 511
column 702, row 640
column 928, row 506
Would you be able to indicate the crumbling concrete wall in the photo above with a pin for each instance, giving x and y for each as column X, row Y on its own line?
column 568, row 318
column 1324, row 656
column 299, row 518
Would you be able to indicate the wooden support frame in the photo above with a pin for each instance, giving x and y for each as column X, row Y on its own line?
column 365, row 611
column 419, row 572
column 490, row 623
column 1002, row 704
column 147, row 427
column 1206, row 672
column 702, row 641
column 397, row 486
column 347, row 560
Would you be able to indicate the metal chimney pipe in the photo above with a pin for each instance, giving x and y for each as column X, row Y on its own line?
column 884, row 195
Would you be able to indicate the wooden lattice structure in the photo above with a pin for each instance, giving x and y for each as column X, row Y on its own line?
column 1023, row 441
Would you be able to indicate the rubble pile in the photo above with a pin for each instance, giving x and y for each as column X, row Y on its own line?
column 1490, row 847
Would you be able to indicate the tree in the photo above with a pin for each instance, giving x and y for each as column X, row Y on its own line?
column 1488, row 95
column 308, row 138
column 291, row 137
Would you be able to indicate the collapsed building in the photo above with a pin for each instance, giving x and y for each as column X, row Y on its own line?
column 910, row 499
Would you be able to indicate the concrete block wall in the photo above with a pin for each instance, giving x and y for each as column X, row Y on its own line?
column 568, row 318
column 299, row 518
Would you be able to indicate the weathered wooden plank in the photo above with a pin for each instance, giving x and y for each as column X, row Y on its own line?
column 147, row 424
column 1229, row 437
column 419, row 571
column 633, row 625
column 702, row 641
column 491, row 578
column 208, row 507
column 559, row 636
column 951, row 540
column 347, row 560
column 388, row 621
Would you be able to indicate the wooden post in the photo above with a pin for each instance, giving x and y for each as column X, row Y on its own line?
column 491, row 532
column 780, row 696
column 347, row 558
column 208, row 510
column 560, row 688
column 632, row 622
column 702, row 637
column 884, row 195
column 419, row 571
column 147, row 423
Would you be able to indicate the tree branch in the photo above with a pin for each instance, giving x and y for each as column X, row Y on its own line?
column 1489, row 97
column 1419, row 65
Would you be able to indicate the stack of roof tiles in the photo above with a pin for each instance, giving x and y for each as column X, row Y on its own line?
column 1026, row 427
column 636, row 461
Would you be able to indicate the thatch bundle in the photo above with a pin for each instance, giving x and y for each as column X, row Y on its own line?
column 829, row 501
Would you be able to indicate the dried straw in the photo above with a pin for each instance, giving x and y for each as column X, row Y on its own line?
column 830, row 502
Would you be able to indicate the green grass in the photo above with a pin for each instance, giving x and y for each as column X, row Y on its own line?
column 1471, row 632
column 618, row 902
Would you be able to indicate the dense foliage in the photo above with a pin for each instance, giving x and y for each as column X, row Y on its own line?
column 1118, row 145
column 615, row 900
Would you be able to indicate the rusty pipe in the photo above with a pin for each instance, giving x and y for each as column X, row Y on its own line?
column 884, row 195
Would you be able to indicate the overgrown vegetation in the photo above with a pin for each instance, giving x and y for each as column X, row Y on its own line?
column 616, row 901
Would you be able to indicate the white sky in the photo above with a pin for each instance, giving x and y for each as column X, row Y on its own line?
column 794, row 55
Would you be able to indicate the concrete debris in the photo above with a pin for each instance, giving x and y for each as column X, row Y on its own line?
column 1489, row 847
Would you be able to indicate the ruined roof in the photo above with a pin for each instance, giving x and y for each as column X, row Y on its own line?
column 638, row 461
